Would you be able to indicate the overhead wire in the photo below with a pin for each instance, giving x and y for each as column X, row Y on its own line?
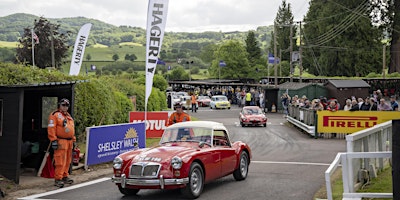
column 342, row 26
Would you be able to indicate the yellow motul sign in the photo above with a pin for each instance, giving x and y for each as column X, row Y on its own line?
column 352, row 121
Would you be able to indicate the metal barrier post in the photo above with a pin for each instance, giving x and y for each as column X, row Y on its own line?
column 316, row 135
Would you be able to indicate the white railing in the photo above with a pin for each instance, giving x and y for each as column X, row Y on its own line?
column 344, row 158
column 367, row 149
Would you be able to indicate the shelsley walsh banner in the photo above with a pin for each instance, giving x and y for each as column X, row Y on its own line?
column 156, row 20
column 79, row 49
column 352, row 121
column 104, row 143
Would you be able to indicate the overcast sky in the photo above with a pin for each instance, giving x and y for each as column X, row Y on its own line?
column 183, row 15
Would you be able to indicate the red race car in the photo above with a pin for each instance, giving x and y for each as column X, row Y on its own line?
column 189, row 155
column 252, row 115
column 203, row 101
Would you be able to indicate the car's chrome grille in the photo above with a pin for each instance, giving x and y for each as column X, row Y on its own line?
column 144, row 170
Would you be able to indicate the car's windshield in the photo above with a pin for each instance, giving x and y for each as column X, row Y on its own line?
column 221, row 98
column 187, row 134
column 203, row 97
column 252, row 111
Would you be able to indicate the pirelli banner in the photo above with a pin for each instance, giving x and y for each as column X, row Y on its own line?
column 352, row 121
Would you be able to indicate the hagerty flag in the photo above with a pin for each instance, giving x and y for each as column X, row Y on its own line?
column 156, row 19
column 79, row 49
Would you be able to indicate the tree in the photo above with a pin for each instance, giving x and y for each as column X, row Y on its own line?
column 284, row 22
column 115, row 57
column 234, row 54
column 130, row 57
column 46, row 32
column 395, row 42
column 338, row 39
column 252, row 48
column 88, row 57
column 178, row 73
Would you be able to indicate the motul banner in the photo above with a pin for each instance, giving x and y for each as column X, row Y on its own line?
column 79, row 49
column 156, row 20
column 352, row 121
column 155, row 124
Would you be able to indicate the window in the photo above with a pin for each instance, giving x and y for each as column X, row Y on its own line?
column 49, row 104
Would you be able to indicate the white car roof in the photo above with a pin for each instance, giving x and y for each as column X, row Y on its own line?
column 200, row 124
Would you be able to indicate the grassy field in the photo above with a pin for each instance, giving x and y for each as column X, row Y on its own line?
column 8, row 44
column 101, row 53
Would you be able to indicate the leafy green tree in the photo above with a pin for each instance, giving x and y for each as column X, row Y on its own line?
column 178, row 73
column 115, row 57
column 46, row 32
column 234, row 54
column 340, row 40
column 253, row 49
column 130, row 57
column 207, row 52
column 88, row 57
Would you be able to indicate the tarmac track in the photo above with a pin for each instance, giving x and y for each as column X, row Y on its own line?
column 286, row 164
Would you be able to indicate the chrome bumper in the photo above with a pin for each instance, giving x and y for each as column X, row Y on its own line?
column 148, row 182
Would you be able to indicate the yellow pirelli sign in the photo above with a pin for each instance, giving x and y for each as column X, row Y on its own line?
column 352, row 121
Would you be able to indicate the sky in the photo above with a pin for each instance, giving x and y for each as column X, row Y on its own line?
column 183, row 15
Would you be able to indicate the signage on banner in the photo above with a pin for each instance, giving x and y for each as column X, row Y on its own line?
column 104, row 143
column 351, row 121
column 156, row 122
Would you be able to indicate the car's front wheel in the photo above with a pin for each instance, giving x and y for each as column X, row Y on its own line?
column 127, row 191
column 196, row 182
column 241, row 172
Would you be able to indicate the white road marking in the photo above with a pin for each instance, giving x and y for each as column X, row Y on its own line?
column 66, row 188
column 290, row 163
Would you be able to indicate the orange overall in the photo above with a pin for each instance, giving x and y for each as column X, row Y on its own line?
column 178, row 117
column 61, row 128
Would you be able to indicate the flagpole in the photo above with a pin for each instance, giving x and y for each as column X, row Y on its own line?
column 33, row 49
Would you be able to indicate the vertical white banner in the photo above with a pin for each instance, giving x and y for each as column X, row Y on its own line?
column 156, row 20
column 79, row 49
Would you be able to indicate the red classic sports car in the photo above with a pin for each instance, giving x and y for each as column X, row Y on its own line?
column 203, row 101
column 189, row 155
column 252, row 115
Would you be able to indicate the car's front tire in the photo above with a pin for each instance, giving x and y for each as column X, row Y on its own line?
column 127, row 191
column 196, row 182
column 241, row 172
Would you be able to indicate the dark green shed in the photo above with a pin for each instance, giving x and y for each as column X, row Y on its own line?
column 310, row 90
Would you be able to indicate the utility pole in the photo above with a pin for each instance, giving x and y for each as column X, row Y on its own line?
column 52, row 46
column 275, row 52
column 301, row 59
column 384, row 61
column 291, row 53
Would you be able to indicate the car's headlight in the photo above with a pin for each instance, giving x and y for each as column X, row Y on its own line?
column 117, row 163
column 176, row 162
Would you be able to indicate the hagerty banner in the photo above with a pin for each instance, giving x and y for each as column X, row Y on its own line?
column 79, row 49
column 156, row 20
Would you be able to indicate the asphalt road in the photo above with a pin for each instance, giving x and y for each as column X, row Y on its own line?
column 286, row 164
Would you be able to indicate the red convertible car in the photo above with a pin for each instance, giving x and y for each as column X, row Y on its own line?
column 252, row 115
column 203, row 101
column 190, row 154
